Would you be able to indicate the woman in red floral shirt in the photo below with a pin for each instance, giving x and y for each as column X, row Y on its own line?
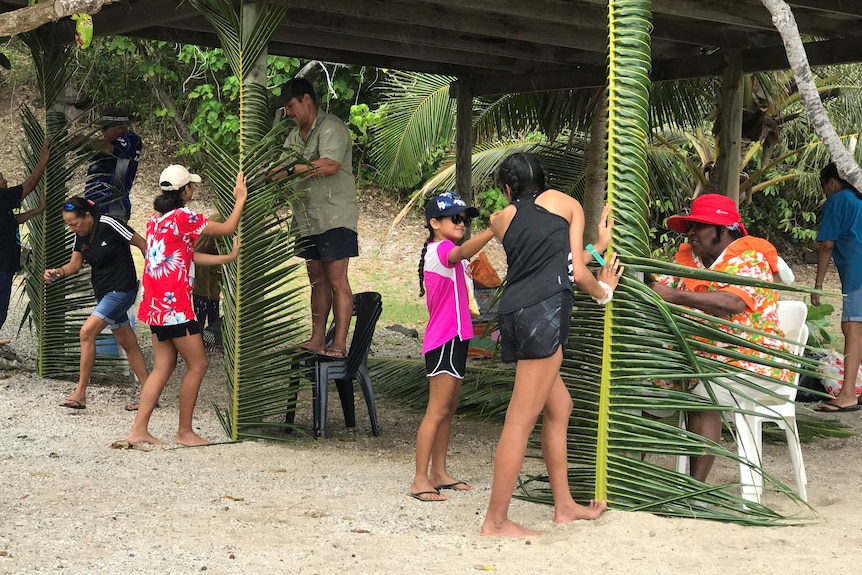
column 717, row 240
column 167, row 302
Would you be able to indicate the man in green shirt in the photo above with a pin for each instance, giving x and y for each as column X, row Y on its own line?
column 325, row 212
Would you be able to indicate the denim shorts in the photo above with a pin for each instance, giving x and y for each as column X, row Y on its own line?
column 113, row 307
column 852, row 306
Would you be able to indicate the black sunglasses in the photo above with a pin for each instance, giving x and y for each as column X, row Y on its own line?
column 459, row 219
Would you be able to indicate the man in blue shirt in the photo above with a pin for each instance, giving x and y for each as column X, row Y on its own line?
column 840, row 238
column 112, row 171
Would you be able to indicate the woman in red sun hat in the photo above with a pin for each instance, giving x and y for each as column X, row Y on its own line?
column 717, row 240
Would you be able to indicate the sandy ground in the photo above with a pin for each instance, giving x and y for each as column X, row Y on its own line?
column 339, row 504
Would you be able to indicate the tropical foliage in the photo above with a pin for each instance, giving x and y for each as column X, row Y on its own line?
column 261, row 310
column 780, row 161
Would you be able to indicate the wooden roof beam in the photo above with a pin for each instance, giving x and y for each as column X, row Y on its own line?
column 517, row 11
column 754, row 16
column 851, row 8
column 404, row 34
column 403, row 51
column 209, row 39
column 673, row 29
column 124, row 18
column 582, row 33
column 826, row 52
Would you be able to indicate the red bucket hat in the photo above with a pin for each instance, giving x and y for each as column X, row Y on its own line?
column 712, row 209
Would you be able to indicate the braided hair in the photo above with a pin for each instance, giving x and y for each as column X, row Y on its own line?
column 524, row 175
column 169, row 200
column 422, row 260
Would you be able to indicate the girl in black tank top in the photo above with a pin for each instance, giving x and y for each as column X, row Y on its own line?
column 537, row 252
column 534, row 312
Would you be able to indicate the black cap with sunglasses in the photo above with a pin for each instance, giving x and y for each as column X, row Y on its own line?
column 448, row 204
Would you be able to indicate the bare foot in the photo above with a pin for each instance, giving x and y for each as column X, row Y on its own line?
column 507, row 529
column 190, row 439
column 424, row 491
column 569, row 514
column 135, row 438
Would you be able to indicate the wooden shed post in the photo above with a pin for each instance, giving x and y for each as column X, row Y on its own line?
column 464, row 141
column 730, row 130
column 251, row 12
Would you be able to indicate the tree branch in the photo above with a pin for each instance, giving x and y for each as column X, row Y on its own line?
column 165, row 100
column 31, row 17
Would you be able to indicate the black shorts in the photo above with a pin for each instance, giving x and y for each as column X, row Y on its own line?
column 536, row 331
column 451, row 358
column 166, row 332
column 331, row 245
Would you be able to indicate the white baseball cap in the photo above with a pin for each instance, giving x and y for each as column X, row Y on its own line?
column 174, row 177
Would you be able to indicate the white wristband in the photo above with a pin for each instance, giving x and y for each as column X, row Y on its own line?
column 609, row 294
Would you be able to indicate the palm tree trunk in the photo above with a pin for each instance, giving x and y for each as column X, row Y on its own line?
column 785, row 23
column 594, row 193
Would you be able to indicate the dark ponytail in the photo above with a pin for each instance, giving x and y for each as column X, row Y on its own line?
column 422, row 260
column 169, row 200
column 524, row 174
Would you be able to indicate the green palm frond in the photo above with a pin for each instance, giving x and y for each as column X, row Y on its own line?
column 420, row 117
column 551, row 113
column 262, row 303
column 614, row 352
column 681, row 103
column 55, row 311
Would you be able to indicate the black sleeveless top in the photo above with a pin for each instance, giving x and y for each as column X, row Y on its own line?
column 537, row 252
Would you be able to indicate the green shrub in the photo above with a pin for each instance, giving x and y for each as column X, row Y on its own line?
column 490, row 201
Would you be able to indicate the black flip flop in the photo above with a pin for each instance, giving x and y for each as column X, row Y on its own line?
column 835, row 408
column 73, row 404
column 418, row 496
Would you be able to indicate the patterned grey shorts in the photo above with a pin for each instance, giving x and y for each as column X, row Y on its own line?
column 536, row 331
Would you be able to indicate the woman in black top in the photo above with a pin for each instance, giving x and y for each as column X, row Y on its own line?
column 104, row 243
column 540, row 230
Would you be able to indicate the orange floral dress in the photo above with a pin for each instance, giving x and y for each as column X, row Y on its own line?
column 747, row 257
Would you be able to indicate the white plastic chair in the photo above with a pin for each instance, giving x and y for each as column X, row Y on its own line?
column 750, row 416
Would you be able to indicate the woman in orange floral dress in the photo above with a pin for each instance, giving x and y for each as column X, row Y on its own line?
column 717, row 240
